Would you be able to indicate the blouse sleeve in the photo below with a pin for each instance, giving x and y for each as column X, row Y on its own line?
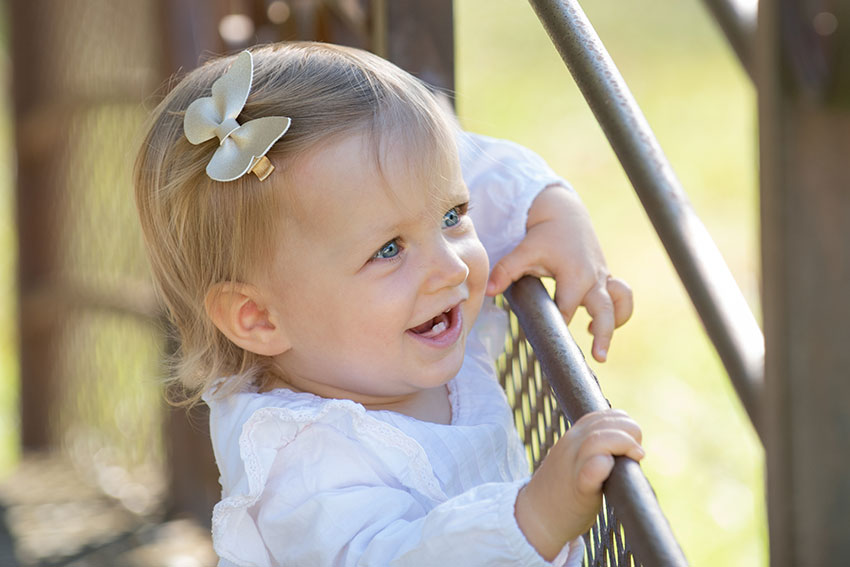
column 324, row 498
column 503, row 180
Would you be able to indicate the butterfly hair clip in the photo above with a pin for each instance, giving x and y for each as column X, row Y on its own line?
column 242, row 147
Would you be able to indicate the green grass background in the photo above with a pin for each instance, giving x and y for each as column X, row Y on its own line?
column 703, row 457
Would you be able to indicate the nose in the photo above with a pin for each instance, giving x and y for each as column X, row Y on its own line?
column 446, row 266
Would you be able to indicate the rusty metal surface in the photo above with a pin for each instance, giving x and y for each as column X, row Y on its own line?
column 718, row 300
column 804, row 127
column 627, row 491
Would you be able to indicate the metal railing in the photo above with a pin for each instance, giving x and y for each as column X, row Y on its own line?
column 628, row 495
column 725, row 314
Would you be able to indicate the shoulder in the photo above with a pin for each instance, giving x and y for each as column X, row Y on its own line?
column 253, row 434
column 278, row 451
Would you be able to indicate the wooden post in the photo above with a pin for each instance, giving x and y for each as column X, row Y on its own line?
column 39, row 191
column 190, row 28
column 803, row 72
column 419, row 38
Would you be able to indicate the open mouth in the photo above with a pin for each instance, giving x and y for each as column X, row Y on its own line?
column 443, row 328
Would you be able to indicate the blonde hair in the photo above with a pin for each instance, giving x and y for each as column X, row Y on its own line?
column 200, row 232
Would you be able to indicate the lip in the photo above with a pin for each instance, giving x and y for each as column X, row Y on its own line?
column 448, row 337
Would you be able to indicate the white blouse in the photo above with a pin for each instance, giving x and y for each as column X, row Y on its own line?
column 313, row 481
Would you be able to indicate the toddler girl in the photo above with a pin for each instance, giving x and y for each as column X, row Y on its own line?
column 310, row 232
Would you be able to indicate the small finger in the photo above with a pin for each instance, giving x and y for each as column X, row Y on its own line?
column 610, row 419
column 614, row 441
column 601, row 309
column 596, row 457
column 567, row 298
column 599, row 415
column 521, row 261
column 621, row 296
column 499, row 280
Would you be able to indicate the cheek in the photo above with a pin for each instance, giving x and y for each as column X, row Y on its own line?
column 479, row 265
column 375, row 307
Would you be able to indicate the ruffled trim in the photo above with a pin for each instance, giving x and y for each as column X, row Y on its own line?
column 269, row 429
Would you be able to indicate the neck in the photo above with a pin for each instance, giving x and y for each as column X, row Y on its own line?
column 425, row 405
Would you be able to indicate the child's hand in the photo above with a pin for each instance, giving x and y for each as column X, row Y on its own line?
column 560, row 243
column 562, row 499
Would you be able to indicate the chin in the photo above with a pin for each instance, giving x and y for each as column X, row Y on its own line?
column 447, row 368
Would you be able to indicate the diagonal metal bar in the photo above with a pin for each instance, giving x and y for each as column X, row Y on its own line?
column 577, row 391
column 737, row 21
column 719, row 302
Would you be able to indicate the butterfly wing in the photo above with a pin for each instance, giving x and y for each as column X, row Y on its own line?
column 250, row 141
column 229, row 93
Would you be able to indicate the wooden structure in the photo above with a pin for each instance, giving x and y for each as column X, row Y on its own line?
column 803, row 77
column 792, row 384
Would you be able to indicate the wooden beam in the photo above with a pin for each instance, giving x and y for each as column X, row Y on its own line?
column 39, row 192
column 420, row 39
column 804, row 127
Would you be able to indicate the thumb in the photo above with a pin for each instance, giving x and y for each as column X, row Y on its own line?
column 510, row 268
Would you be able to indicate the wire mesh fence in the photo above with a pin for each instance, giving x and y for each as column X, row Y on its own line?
column 541, row 423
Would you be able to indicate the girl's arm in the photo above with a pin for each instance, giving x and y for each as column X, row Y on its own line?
column 532, row 223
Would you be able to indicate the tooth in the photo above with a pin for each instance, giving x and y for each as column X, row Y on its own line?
column 438, row 328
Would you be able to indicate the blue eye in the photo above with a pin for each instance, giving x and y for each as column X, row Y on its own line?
column 389, row 250
column 452, row 217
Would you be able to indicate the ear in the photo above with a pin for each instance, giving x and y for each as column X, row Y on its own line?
column 239, row 312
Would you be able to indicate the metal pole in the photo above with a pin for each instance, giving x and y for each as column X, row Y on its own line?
column 739, row 27
column 720, row 304
column 577, row 391
column 804, row 132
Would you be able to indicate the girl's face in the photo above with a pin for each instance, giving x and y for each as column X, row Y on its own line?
column 377, row 279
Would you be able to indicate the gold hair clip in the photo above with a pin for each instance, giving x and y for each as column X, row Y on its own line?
column 242, row 147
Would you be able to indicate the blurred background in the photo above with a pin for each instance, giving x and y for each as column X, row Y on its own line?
column 83, row 283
